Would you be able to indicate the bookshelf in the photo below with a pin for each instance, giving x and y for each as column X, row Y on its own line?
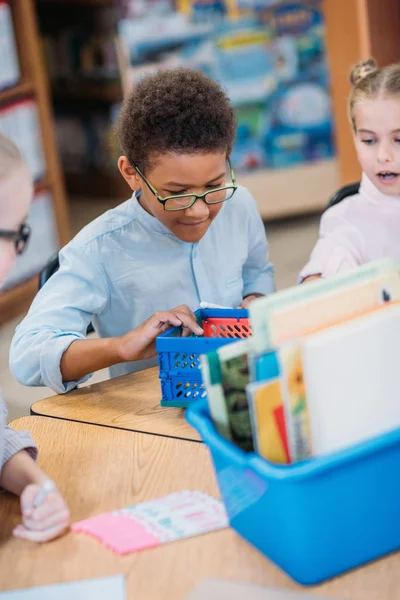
column 77, row 91
column 34, row 85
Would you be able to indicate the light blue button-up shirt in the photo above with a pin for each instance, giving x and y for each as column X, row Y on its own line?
column 126, row 265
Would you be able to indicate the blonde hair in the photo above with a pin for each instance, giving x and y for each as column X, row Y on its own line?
column 10, row 156
column 369, row 82
column 15, row 178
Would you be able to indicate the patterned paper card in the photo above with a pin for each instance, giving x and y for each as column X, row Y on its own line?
column 149, row 524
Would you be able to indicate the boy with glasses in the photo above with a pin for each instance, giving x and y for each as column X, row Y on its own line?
column 188, row 234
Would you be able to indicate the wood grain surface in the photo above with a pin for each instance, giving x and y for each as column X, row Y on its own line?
column 99, row 469
column 130, row 402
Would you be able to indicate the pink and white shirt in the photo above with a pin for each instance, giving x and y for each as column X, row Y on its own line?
column 360, row 229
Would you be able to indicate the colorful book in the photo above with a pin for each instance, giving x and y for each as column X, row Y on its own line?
column 297, row 311
column 268, row 420
column 225, row 375
column 295, row 401
column 211, row 372
column 235, row 376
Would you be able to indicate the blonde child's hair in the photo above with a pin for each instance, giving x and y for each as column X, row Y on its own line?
column 370, row 82
column 15, row 177
column 10, row 156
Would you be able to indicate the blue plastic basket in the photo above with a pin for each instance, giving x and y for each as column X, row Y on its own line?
column 179, row 358
column 314, row 519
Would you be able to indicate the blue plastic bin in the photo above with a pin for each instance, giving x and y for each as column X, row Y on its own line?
column 314, row 519
column 179, row 358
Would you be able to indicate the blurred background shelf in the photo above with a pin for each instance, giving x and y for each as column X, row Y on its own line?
column 17, row 300
column 98, row 185
column 91, row 91
column 82, row 3
column 21, row 90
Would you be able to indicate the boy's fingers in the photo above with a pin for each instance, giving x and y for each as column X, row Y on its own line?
column 189, row 323
column 166, row 319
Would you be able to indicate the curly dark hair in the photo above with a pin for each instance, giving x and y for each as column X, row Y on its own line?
column 175, row 110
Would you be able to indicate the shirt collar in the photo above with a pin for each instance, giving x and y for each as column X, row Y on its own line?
column 373, row 195
column 146, row 219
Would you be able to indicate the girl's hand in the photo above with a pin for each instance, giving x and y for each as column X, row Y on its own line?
column 249, row 299
column 311, row 278
column 45, row 522
column 139, row 343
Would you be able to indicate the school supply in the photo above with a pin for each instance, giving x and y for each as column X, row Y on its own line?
column 331, row 387
column 315, row 519
column 149, row 524
column 268, row 420
column 47, row 487
column 351, row 378
column 211, row 373
column 215, row 589
column 9, row 72
column 300, row 310
column 179, row 358
column 211, row 305
column 294, row 396
column 99, row 589
column 228, row 372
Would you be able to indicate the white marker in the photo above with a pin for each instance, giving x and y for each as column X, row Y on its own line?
column 210, row 305
column 47, row 487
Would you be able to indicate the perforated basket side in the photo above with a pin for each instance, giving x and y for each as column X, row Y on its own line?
column 176, row 361
column 227, row 328
column 182, row 390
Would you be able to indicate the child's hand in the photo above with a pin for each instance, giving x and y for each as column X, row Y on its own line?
column 311, row 278
column 47, row 521
column 139, row 343
column 249, row 299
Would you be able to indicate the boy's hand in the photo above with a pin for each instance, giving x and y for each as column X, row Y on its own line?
column 47, row 521
column 249, row 299
column 139, row 343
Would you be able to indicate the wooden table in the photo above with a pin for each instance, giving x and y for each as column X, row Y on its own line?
column 130, row 402
column 99, row 469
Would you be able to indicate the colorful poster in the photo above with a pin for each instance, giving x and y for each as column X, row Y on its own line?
column 268, row 54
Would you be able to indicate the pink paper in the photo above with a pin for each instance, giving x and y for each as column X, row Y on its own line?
column 149, row 524
column 119, row 533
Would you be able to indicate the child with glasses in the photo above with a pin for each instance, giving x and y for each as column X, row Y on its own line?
column 188, row 234
column 19, row 474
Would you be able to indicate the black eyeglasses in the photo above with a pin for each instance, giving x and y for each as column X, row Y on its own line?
column 184, row 201
column 20, row 237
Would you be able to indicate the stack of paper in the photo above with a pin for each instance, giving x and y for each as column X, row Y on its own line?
column 351, row 374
